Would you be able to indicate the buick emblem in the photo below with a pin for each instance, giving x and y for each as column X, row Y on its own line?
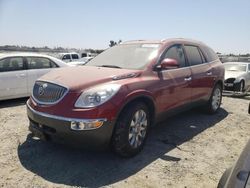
column 41, row 89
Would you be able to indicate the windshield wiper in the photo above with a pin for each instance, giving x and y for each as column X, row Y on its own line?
column 110, row 66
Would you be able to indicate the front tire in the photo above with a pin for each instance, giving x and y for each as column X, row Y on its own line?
column 215, row 100
column 131, row 130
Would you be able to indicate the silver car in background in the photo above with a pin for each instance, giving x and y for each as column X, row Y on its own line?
column 237, row 76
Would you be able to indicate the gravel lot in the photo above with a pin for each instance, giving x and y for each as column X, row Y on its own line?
column 189, row 150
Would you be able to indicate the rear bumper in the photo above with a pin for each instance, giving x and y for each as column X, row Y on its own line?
column 58, row 129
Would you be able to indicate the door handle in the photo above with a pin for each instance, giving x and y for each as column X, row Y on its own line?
column 188, row 78
column 209, row 73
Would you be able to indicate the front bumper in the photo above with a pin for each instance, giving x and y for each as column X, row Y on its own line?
column 58, row 129
column 235, row 86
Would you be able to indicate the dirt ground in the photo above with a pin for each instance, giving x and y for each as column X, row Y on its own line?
column 188, row 150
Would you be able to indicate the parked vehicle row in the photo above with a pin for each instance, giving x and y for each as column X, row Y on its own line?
column 116, row 97
column 19, row 71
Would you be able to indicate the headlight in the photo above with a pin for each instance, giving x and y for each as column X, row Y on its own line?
column 97, row 95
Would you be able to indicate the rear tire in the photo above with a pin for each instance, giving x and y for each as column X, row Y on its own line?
column 214, row 102
column 131, row 130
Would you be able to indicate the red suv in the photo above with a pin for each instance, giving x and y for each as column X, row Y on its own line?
column 122, row 92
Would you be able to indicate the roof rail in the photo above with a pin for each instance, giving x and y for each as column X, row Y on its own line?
column 130, row 41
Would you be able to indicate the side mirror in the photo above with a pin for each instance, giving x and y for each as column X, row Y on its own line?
column 168, row 64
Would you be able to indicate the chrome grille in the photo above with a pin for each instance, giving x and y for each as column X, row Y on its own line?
column 48, row 93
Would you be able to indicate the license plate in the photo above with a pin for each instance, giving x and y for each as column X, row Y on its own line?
column 229, row 85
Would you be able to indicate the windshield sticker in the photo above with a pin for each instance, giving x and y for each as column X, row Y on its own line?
column 150, row 46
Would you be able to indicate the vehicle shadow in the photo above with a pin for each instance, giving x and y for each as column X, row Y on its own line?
column 13, row 102
column 64, row 165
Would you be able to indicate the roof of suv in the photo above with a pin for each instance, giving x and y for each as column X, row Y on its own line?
column 163, row 41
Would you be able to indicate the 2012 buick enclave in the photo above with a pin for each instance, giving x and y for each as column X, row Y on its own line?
column 121, row 93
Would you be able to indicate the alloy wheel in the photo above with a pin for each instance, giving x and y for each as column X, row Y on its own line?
column 216, row 99
column 138, row 128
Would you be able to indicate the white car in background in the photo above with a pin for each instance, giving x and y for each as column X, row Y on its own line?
column 237, row 76
column 81, row 61
column 18, row 72
column 68, row 57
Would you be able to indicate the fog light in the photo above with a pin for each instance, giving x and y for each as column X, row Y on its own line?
column 85, row 125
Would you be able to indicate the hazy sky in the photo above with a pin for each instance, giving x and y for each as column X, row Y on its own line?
column 223, row 24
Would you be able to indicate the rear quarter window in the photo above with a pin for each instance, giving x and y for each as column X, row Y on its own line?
column 209, row 54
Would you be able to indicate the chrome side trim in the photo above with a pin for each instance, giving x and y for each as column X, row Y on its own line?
column 64, row 118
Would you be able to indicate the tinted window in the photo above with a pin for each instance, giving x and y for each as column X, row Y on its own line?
column 75, row 56
column 193, row 55
column 38, row 63
column 176, row 52
column 84, row 54
column 209, row 53
column 11, row 64
column 67, row 56
column 249, row 67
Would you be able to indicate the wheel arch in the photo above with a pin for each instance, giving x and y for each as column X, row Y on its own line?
column 147, row 100
column 219, row 82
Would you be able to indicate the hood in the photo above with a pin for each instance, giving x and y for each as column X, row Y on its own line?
column 81, row 77
column 233, row 74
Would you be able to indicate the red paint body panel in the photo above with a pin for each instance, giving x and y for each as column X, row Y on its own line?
column 167, row 89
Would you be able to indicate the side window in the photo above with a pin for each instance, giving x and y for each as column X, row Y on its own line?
column 11, row 64
column 75, row 56
column 209, row 53
column 193, row 55
column 249, row 67
column 84, row 54
column 202, row 57
column 38, row 63
column 67, row 56
column 176, row 52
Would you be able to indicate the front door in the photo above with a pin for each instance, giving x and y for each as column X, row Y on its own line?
column 174, row 84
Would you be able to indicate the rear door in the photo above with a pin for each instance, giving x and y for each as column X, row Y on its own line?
column 37, row 67
column 174, row 84
column 13, row 78
column 202, row 75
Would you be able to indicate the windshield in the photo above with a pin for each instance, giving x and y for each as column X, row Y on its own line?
column 235, row 67
column 126, row 56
